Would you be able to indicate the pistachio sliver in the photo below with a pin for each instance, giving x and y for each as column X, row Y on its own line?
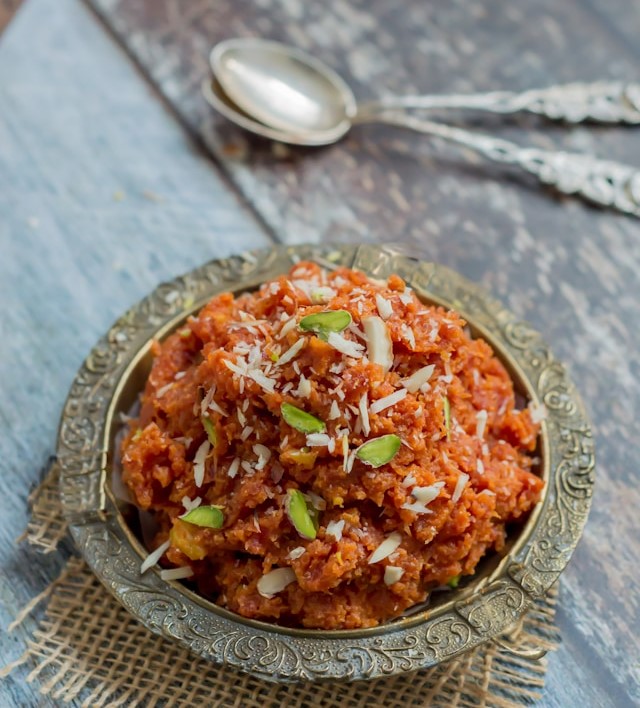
column 295, row 506
column 209, row 516
column 314, row 515
column 453, row 582
column 379, row 451
column 324, row 322
column 300, row 420
column 447, row 416
column 210, row 430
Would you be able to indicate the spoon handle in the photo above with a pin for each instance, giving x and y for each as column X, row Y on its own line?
column 603, row 182
column 601, row 102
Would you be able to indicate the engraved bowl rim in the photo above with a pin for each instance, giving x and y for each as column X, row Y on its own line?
column 481, row 612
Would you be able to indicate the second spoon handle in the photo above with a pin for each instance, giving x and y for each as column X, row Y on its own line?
column 603, row 182
column 601, row 102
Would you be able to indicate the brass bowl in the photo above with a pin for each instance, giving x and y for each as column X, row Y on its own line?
column 480, row 610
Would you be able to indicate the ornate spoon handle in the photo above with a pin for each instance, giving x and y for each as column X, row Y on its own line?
column 602, row 182
column 602, row 102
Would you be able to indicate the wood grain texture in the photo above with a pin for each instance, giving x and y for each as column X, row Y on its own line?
column 81, row 139
column 568, row 268
column 102, row 196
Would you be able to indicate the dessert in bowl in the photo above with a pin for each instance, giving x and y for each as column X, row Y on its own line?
column 275, row 526
column 325, row 451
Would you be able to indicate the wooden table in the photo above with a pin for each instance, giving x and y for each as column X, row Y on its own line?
column 103, row 195
column 7, row 10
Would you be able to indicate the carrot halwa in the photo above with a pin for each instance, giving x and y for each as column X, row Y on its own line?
column 326, row 451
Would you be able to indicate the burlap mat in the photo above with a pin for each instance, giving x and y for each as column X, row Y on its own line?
column 88, row 648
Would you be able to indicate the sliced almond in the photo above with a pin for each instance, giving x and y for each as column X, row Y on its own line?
column 386, row 548
column 275, row 581
column 392, row 574
column 379, row 344
column 418, row 378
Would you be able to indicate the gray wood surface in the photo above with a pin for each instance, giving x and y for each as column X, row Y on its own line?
column 568, row 268
column 83, row 138
column 82, row 141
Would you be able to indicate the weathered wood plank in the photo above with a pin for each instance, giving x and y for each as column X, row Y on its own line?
column 570, row 269
column 8, row 9
column 102, row 196
column 62, row 163
column 622, row 17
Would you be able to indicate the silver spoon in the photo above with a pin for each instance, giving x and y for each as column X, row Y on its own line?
column 288, row 89
column 602, row 182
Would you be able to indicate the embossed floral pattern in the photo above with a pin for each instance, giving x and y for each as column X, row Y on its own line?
column 482, row 613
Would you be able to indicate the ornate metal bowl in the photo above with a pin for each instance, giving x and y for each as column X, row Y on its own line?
column 480, row 610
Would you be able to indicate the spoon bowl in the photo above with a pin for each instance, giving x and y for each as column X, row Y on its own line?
column 284, row 88
column 216, row 97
